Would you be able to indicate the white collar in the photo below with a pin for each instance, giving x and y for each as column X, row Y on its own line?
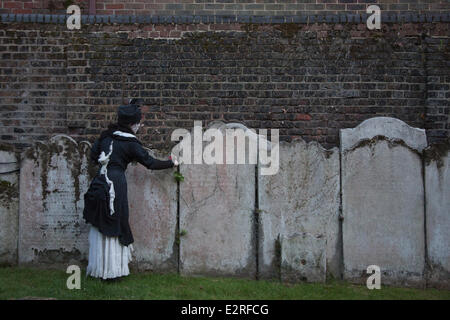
column 124, row 134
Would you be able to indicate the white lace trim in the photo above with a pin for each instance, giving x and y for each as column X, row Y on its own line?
column 107, row 257
column 104, row 160
column 124, row 134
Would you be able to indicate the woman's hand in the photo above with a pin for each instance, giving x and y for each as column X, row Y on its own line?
column 175, row 161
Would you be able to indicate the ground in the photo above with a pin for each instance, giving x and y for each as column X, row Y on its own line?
column 20, row 283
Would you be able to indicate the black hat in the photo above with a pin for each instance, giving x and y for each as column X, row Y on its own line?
column 129, row 114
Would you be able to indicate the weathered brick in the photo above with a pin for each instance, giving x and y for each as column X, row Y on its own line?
column 265, row 78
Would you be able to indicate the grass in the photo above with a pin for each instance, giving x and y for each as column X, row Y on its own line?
column 18, row 283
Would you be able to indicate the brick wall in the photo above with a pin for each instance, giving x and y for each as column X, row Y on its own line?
column 437, row 63
column 306, row 80
column 224, row 7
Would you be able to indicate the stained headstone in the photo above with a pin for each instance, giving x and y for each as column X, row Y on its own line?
column 152, row 197
column 299, row 214
column 53, row 179
column 217, row 227
column 383, row 201
column 437, row 182
column 9, row 205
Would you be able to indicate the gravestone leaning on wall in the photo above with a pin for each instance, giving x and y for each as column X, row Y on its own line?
column 217, row 205
column 437, row 188
column 383, row 201
column 152, row 197
column 9, row 205
column 53, row 179
column 299, row 215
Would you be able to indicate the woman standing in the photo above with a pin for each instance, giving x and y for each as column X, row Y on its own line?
column 106, row 202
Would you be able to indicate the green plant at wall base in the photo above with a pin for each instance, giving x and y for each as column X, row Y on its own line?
column 178, row 176
column 8, row 190
column 182, row 233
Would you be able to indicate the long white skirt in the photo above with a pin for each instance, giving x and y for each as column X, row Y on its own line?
column 107, row 257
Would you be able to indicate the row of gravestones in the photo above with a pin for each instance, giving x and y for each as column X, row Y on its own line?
column 382, row 199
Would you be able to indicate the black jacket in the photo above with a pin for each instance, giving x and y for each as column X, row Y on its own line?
column 97, row 210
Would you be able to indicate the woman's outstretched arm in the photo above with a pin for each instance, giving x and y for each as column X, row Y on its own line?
column 141, row 155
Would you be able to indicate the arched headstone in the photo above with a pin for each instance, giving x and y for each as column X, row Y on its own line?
column 53, row 180
column 383, row 201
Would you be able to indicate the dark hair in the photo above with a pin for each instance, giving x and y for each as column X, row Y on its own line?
column 115, row 127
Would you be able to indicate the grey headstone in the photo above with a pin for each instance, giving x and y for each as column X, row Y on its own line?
column 299, row 206
column 53, row 178
column 9, row 205
column 217, row 212
column 303, row 258
column 390, row 128
column 437, row 182
column 152, row 197
column 383, row 201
